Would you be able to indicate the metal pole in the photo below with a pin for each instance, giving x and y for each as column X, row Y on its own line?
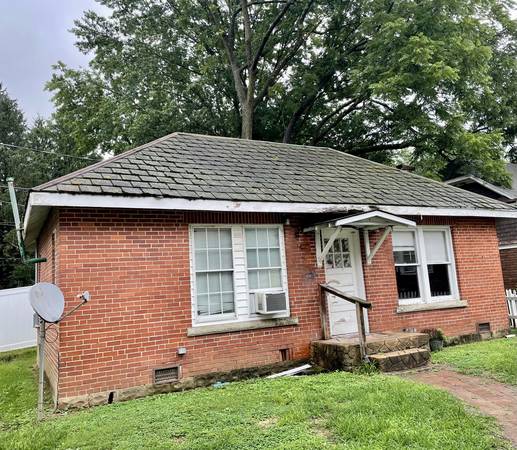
column 41, row 364
column 16, row 216
column 18, row 225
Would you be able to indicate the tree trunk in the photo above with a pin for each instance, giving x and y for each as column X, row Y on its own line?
column 248, row 105
column 247, row 121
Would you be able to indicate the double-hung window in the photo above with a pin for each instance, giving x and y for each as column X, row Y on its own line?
column 407, row 264
column 230, row 264
column 263, row 258
column 213, row 262
column 424, row 265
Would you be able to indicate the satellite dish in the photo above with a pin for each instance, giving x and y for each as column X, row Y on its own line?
column 47, row 301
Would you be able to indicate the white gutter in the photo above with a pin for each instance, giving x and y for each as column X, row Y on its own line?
column 51, row 199
column 455, row 212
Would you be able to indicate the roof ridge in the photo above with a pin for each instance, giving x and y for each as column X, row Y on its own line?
column 184, row 133
column 101, row 163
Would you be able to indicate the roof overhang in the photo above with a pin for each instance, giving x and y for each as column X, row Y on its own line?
column 371, row 220
column 40, row 203
column 471, row 179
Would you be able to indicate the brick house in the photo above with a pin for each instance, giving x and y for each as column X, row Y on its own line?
column 506, row 227
column 205, row 255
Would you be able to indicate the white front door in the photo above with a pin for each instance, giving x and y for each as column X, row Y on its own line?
column 343, row 270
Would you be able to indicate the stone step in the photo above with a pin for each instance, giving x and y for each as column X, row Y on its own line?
column 392, row 342
column 401, row 359
column 343, row 353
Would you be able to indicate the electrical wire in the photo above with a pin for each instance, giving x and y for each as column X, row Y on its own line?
column 16, row 188
column 56, row 331
column 47, row 152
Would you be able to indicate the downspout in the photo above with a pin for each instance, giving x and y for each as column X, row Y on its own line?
column 19, row 228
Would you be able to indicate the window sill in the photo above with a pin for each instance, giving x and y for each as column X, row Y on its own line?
column 432, row 306
column 203, row 330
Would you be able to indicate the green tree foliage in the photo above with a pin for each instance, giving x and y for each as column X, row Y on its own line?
column 12, row 132
column 55, row 156
column 365, row 76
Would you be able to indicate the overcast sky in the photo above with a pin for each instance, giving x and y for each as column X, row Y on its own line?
column 33, row 36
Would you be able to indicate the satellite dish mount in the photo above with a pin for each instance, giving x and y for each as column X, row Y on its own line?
column 48, row 302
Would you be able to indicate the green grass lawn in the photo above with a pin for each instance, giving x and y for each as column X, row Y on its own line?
column 18, row 388
column 331, row 411
column 495, row 359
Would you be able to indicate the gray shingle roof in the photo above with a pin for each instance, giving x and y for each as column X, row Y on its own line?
column 190, row 166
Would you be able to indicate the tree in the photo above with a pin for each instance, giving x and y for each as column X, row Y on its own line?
column 32, row 156
column 12, row 130
column 369, row 77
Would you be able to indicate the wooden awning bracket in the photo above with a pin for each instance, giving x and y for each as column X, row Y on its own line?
column 370, row 253
column 321, row 253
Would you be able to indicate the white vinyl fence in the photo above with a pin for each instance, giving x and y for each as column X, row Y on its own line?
column 511, row 300
column 16, row 314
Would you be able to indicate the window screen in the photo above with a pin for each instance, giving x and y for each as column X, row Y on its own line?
column 214, row 271
column 263, row 258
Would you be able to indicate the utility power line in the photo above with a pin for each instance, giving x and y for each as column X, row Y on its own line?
column 16, row 187
column 47, row 152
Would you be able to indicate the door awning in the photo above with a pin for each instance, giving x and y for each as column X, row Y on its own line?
column 368, row 221
column 371, row 220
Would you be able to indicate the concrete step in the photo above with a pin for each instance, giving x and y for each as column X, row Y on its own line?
column 401, row 359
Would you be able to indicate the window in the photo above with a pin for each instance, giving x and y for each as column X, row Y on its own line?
column 229, row 263
column 424, row 265
column 406, row 264
column 338, row 255
column 263, row 258
column 438, row 262
column 214, row 271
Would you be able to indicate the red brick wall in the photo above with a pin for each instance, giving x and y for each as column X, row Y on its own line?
column 48, row 271
column 479, row 277
column 136, row 266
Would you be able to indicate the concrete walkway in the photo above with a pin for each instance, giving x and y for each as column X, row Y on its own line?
column 490, row 397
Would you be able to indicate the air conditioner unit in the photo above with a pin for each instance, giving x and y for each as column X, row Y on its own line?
column 270, row 303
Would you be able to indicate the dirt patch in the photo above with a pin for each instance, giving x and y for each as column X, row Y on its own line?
column 318, row 425
column 268, row 422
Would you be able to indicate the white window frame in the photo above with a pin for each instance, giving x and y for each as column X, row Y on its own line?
column 214, row 317
column 423, row 275
column 283, row 273
column 244, row 309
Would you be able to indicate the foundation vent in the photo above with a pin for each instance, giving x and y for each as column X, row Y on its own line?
column 166, row 374
column 484, row 327
column 285, row 354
